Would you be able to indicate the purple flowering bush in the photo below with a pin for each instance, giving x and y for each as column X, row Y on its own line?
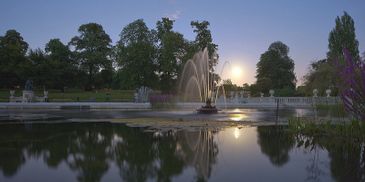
column 162, row 100
column 352, row 85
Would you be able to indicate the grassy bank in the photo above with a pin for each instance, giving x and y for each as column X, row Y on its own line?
column 350, row 130
column 337, row 110
column 74, row 95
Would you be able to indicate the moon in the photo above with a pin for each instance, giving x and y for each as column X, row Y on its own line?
column 236, row 72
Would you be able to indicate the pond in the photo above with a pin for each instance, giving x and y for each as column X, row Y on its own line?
column 115, row 152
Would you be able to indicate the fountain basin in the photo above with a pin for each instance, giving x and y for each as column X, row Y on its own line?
column 207, row 110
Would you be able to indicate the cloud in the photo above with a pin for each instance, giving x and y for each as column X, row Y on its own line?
column 174, row 16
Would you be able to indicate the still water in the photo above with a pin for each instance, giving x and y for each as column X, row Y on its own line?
column 115, row 152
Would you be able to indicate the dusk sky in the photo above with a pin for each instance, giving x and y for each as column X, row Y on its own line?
column 242, row 29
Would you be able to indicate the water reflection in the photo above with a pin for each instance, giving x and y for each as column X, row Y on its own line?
column 347, row 156
column 275, row 142
column 91, row 152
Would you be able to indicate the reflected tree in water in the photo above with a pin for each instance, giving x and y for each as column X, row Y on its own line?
column 11, row 151
column 89, row 153
column 347, row 161
column 198, row 149
column 170, row 162
column 347, row 155
column 134, row 154
column 275, row 142
column 89, row 149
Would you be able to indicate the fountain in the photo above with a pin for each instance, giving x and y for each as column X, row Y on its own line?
column 199, row 83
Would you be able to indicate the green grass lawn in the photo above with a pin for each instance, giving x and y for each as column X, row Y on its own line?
column 73, row 95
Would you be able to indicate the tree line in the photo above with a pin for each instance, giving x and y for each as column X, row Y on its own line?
column 275, row 69
column 142, row 57
column 155, row 57
column 324, row 74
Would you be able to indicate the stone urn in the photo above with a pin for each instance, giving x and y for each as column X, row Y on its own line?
column 328, row 92
column 45, row 95
column 261, row 94
column 12, row 93
column 232, row 94
column 271, row 92
column 315, row 92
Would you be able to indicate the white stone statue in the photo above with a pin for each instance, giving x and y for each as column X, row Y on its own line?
column 28, row 93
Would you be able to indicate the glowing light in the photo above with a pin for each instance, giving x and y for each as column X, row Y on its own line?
column 236, row 133
column 237, row 116
column 236, row 72
column 236, row 110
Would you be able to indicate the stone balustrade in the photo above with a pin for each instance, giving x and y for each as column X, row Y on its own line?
column 284, row 101
column 28, row 96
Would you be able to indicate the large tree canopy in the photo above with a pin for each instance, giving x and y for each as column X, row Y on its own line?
column 136, row 56
column 42, row 71
column 144, row 57
column 171, row 50
column 13, row 63
column 320, row 77
column 343, row 36
column 275, row 70
column 92, row 48
column 64, row 70
column 56, row 50
column 323, row 74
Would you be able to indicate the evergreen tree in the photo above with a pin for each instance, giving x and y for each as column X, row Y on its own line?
column 204, row 40
column 343, row 37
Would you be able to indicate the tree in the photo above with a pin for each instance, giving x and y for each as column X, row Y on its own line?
column 204, row 40
column 275, row 142
column 229, row 86
column 321, row 77
column 246, row 87
column 92, row 51
column 275, row 70
column 136, row 56
column 64, row 71
column 171, row 50
column 323, row 74
column 56, row 50
column 13, row 50
column 40, row 70
column 343, row 36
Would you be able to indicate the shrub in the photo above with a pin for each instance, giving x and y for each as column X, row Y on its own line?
column 352, row 85
column 162, row 100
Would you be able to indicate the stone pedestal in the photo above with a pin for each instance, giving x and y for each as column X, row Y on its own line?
column 28, row 95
